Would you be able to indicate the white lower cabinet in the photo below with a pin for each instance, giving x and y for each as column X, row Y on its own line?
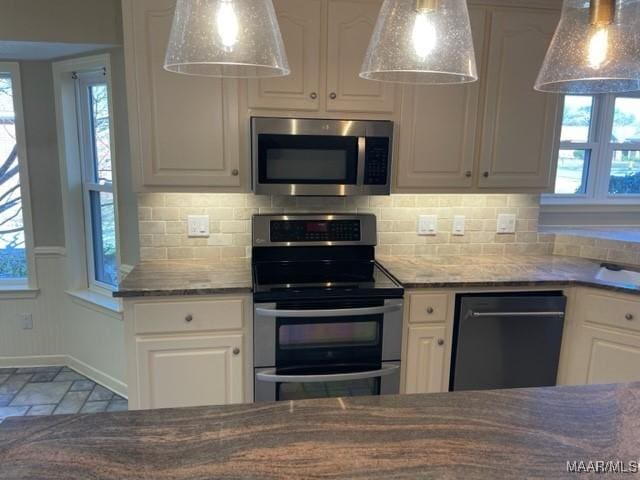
column 425, row 362
column 602, row 344
column 188, row 352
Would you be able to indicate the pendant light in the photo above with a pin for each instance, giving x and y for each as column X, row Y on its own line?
column 421, row 42
column 595, row 49
column 226, row 38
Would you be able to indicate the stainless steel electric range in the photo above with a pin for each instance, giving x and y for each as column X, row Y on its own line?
column 327, row 318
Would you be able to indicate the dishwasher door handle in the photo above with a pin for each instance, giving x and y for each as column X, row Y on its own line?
column 517, row 314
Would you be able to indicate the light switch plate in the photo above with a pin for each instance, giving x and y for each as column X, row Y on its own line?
column 26, row 321
column 458, row 225
column 506, row 223
column 198, row 225
column 428, row 225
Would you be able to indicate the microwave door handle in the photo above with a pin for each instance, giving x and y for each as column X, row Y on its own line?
column 270, row 375
column 362, row 158
column 338, row 312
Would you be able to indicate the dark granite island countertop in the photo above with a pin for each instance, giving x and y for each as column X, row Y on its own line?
column 505, row 434
column 187, row 277
column 477, row 271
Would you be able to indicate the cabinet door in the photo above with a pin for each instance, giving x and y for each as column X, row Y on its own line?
column 350, row 25
column 185, row 130
column 425, row 359
column 300, row 22
column 519, row 123
column 438, row 128
column 182, row 371
column 598, row 355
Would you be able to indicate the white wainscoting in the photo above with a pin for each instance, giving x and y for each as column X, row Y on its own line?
column 64, row 332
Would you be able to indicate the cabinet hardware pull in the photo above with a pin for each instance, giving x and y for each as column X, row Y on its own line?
column 468, row 174
column 629, row 316
column 188, row 318
column 236, row 351
column 485, row 174
column 313, row 95
column 235, row 172
column 440, row 342
column 429, row 310
column 333, row 95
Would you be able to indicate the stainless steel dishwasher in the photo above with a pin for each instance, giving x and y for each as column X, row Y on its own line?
column 507, row 340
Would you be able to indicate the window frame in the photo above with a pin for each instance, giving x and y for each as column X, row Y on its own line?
column 601, row 158
column 77, row 217
column 30, row 282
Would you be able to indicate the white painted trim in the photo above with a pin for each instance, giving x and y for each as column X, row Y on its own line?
column 125, row 270
column 50, row 251
column 13, row 68
column 97, row 376
column 18, row 293
column 97, row 302
column 70, row 361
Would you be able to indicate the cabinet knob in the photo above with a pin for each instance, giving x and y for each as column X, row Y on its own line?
column 235, row 172
column 236, row 351
column 485, row 174
column 429, row 310
column 629, row 316
column 188, row 318
column 313, row 95
column 333, row 95
column 468, row 174
column 440, row 341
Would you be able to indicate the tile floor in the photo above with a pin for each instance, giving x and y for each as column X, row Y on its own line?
column 53, row 391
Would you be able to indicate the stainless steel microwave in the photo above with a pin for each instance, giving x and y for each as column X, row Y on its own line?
column 321, row 157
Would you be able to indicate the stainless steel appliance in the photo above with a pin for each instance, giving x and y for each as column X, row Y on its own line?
column 507, row 340
column 321, row 157
column 327, row 318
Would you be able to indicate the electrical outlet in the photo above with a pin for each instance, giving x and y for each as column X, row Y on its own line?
column 198, row 225
column 458, row 225
column 26, row 320
column 506, row 223
column 428, row 225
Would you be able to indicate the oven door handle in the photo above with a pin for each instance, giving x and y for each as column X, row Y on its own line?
column 269, row 375
column 338, row 312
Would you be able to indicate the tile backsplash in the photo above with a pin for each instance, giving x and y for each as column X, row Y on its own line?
column 163, row 229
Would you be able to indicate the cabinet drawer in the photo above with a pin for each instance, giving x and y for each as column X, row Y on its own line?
column 163, row 317
column 606, row 309
column 428, row 308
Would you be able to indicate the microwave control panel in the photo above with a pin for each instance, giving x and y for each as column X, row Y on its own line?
column 376, row 168
column 315, row 231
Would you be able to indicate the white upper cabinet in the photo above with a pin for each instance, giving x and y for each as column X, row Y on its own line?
column 300, row 25
column 519, row 123
column 349, row 29
column 438, row 128
column 185, row 130
column 326, row 41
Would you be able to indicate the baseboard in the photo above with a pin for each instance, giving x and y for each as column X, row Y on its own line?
column 33, row 361
column 67, row 360
column 97, row 376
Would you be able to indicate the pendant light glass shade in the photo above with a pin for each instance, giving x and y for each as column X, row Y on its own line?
column 421, row 42
column 595, row 49
column 226, row 38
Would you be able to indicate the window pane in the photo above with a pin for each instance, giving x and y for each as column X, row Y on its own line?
column 573, row 167
column 101, row 131
column 625, row 173
column 13, row 258
column 626, row 120
column 104, row 237
column 576, row 119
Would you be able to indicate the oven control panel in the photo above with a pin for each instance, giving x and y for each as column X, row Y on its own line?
column 315, row 231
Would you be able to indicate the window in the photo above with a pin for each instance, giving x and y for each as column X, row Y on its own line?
column 599, row 153
column 94, row 133
column 15, row 254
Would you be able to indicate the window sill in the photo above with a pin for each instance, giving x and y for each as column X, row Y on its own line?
column 97, row 301
column 18, row 292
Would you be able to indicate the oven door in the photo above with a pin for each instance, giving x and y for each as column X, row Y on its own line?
column 299, row 384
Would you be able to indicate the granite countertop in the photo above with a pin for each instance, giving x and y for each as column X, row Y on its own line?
column 187, row 277
column 466, row 271
column 506, row 434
